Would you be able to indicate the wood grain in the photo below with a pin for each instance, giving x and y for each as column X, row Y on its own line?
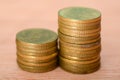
column 16, row 15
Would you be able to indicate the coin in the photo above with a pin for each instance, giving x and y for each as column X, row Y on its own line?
column 78, row 45
column 72, row 25
column 80, row 66
column 36, row 36
column 78, row 58
column 35, row 51
column 69, row 33
column 37, row 69
column 33, row 46
column 77, row 39
column 37, row 58
column 79, row 32
column 77, row 70
column 80, row 55
column 80, row 62
column 81, row 15
column 36, row 64
column 79, row 42
column 81, row 49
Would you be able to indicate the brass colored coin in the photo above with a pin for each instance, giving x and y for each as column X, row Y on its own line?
column 37, row 69
column 79, row 70
column 36, row 64
column 79, row 42
column 80, row 66
column 79, row 53
column 82, row 49
column 36, row 61
column 41, row 37
column 37, row 58
column 37, row 50
column 36, row 46
column 77, row 39
column 45, row 53
column 79, row 32
column 35, row 54
column 79, row 26
column 79, row 62
column 67, row 21
column 81, row 15
column 78, row 45
column 86, row 68
column 78, row 58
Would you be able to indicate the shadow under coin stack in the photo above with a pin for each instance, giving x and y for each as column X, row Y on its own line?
column 79, row 39
column 37, row 50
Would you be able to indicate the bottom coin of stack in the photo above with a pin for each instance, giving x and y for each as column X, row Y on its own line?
column 37, row 50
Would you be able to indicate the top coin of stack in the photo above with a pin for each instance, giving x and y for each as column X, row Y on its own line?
column 37, row 50
column 79, row 34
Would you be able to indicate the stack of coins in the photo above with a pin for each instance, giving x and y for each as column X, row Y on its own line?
column 79, row 39
column 37, row 50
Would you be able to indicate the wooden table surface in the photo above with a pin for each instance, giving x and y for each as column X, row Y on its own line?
column 16, row 15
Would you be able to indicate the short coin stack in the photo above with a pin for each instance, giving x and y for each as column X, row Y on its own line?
column 37, row 50
column 79, row 39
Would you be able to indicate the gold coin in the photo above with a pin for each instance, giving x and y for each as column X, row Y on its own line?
column 61, row 35
column 79, row 62
column 37, row 69
column 36, row 53
column 79, row 42
column 34, row 46
column 80, row 66
column 80, row 15
column 37, row 37
column 36, row 61
column 79, row 26
column 79, row 21
column 80, row 54
column 77, row 70
column 79, row 51
column 82, row 49
column 78, row 58
column 79, row 32
column 51, row 50
column 78, row 45
column 36, row 58
column 36, row 64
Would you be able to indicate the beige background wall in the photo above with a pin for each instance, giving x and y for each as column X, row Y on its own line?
column 16, row 15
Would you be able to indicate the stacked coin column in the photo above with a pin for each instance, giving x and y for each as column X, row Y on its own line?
column 79, row 39
column 36, row 50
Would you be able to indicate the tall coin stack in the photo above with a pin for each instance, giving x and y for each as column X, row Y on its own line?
column 37, row 50
column 79, row 39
